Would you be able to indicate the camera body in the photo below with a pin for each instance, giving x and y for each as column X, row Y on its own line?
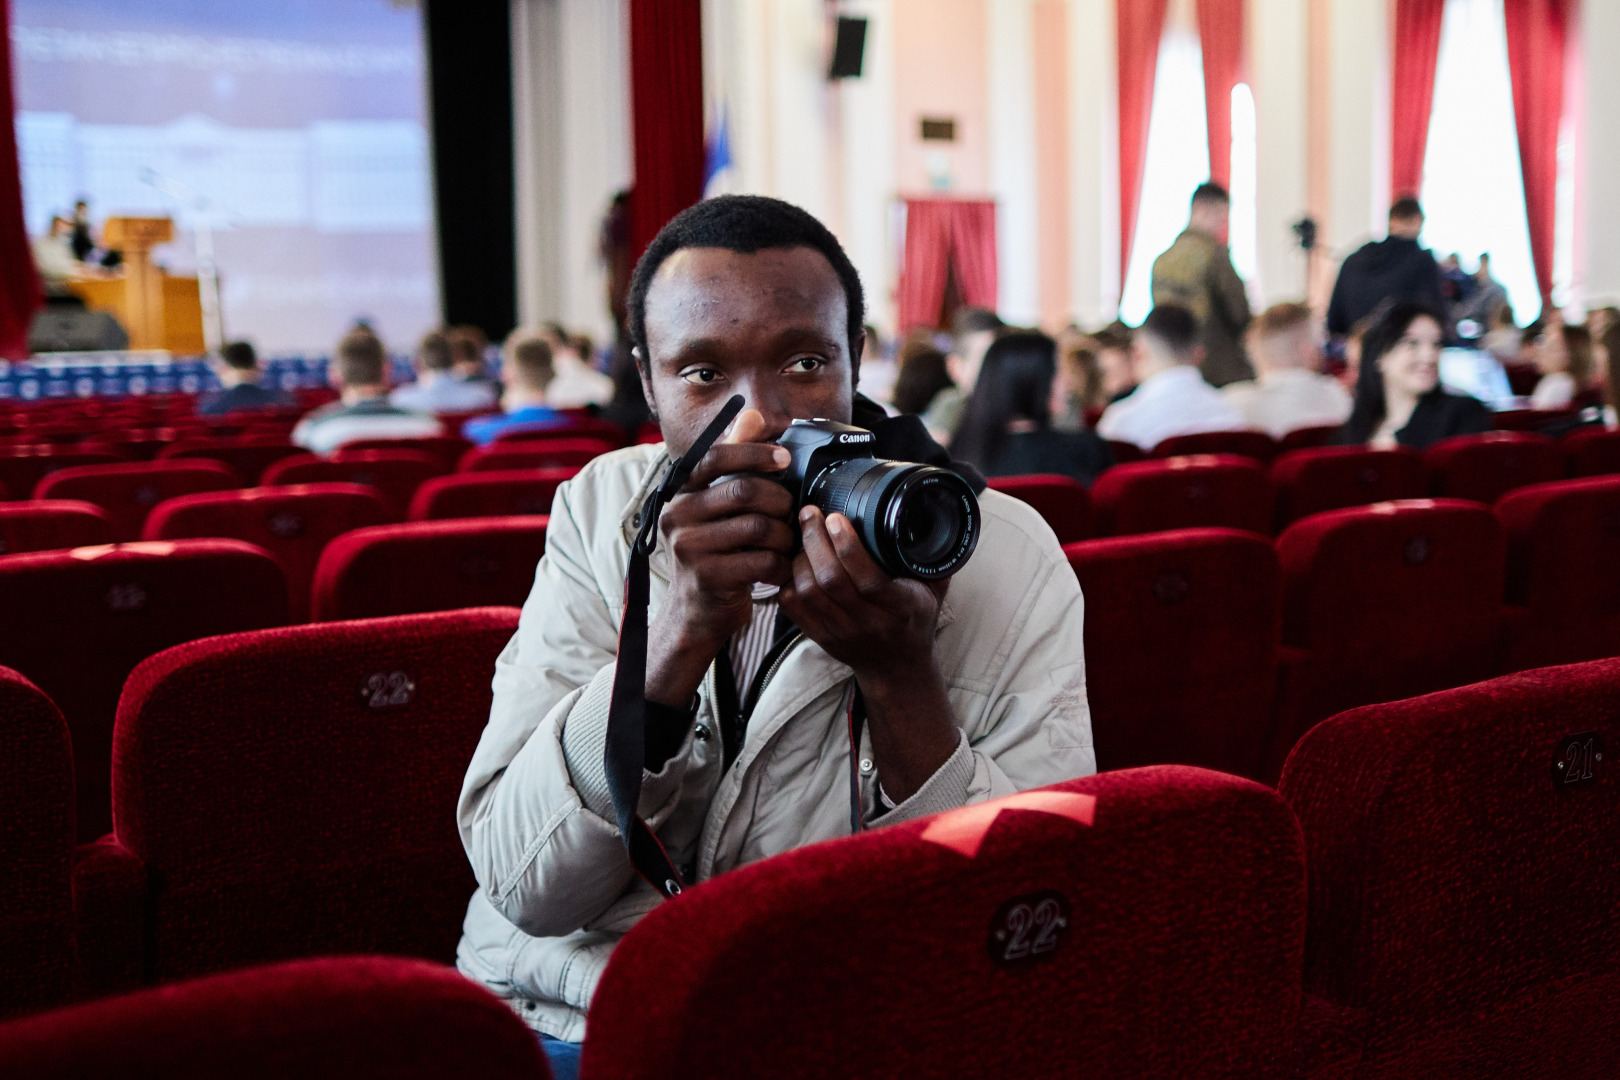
column 917, row 521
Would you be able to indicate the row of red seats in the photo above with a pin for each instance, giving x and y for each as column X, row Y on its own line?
column 1231, row 491
column 1405, row 904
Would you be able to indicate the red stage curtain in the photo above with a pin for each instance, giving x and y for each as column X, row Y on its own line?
column 1139, row 24
column 19, row 284
column 1537, row 33
column 1417, row 51
column 946, row 236
column 1220, row 33
column 666, row 93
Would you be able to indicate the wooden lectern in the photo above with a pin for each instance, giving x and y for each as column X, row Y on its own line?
column 158, row 311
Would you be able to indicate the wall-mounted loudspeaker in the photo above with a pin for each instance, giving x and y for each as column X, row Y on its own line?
column 848, row 49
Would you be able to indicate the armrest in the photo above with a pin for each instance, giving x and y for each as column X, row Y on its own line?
column 109, row 899
column 1330, row 1040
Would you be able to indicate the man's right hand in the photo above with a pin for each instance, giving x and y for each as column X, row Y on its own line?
column 723, row 538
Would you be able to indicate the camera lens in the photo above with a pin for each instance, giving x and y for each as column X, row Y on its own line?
column 918, row 521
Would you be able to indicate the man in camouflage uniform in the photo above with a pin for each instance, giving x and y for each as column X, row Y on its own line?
column 1196, row 273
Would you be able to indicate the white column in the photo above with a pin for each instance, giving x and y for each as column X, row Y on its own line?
column 537, row 119
column 1359, row 125
column 1093, row 163
column 1279, row 50
column 1598, row 215
column 866, row 128
column 1012, row 159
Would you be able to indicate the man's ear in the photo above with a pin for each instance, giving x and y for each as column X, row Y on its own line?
column 645, row 376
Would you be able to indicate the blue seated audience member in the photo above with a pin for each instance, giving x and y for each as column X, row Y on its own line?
column 237, row 368
column 526, row 373
column 1006, row 425
column 1399, row 399
column 359, row 373
column 467, row 345
column 437, row 388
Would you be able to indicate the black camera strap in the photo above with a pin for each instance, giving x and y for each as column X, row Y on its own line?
column 625, row 754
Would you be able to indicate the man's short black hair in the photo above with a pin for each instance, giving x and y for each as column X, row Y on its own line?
column 1174, row 327
column 974, row 320
column 1405, row 208
column 1211, row 192
column 239, row 356
column 745, row 224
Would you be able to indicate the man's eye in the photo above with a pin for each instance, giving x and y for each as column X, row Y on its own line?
column 806, row 364
column 701, row 376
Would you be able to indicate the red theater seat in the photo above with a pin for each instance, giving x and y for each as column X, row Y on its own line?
column 1251, row 444
column 1530, row 419
column 293, row 792
column 291, row 523
column 577, row 427
column 1146, row 923
column 1062, row 501
column 447, row 448
column 357, row 1018
column 1307, row 437
column 1125, row 453
column 428, row 566
column 1465, row 879
column 22, row 467
column 1182, row 634
column 128, row 492
column 1209, row 490
column 396, row 474
column 1486, row 467
column 1563, row 570
column 488, row 494
column 1388, row 601
column 1592, row 452
column 45, row 524
column 36, row 847
column 533, row 454
column 75, row 622
column 247, row 454
column 1335, row 477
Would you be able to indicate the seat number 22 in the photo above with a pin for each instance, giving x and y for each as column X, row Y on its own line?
column 1028, row 927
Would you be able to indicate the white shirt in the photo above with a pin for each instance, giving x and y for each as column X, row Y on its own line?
column 1282, row 401
column 575, row 385
column 1554, row 390
column 434, row 392
column 1174, row 402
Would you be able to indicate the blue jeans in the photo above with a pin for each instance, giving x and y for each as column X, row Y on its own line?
column 563, row 1057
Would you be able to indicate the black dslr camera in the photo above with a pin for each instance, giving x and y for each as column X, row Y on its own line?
column 917, row 521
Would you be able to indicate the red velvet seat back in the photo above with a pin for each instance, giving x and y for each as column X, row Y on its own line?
column 248, row 455
column 1206, row 491
column 396, row 474
column 75, row 623
column 533, row 454
column 1061, row 500
column 293, row 792
column 1334, row 477
column 1592, row 452
column 1391, row 600
column 1162, row 939
column 45, row 524
column 488, row 494
column 358, row 1018
column 1563, row 551
column 36, row 845
column 1306, row 437
column 1463, row 890
column 428, row 566
column 447, row 448
column 292, row 523
column 128, row 492
column 577, row 427
column 1250, row 444
column 1486, row 467
column 1181, row 647
column 22, row 467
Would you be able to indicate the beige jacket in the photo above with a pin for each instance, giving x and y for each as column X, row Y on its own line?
column 556, row 888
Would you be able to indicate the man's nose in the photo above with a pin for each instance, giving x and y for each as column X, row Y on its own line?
column 771, row 405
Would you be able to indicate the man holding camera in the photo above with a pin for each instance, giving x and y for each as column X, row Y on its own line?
column 770, row 630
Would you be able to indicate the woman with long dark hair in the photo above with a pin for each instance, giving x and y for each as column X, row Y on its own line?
column 1399, row 399
column 1007, row 423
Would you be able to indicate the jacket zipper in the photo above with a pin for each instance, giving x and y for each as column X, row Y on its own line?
column 774, row 660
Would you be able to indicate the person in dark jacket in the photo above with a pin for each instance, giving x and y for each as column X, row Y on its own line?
column 237, row 368
column 1006, row 424
column 1395, row 268
column 1399, row 399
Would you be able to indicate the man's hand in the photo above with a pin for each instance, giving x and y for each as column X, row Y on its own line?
column 723, row 538
column 883, row 628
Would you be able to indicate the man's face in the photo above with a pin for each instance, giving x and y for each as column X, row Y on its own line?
column 1406, row 228
column 771, row 326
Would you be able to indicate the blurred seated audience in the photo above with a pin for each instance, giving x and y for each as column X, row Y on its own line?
column 1611, row 373
column 438, row 389
column 1290, row 393
column 1503, row 336
column 526, row 373
column 1563, row 356
column 1006, row 425
column 237, row 368
column 1173, row 398
column 575, row 384
column 972, row 331
column 359, row 373
column 1399, row 399
column 1484, row 298
column 1077, row 388
column 467, row 345
column 1117, row 361
column 922, row 378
